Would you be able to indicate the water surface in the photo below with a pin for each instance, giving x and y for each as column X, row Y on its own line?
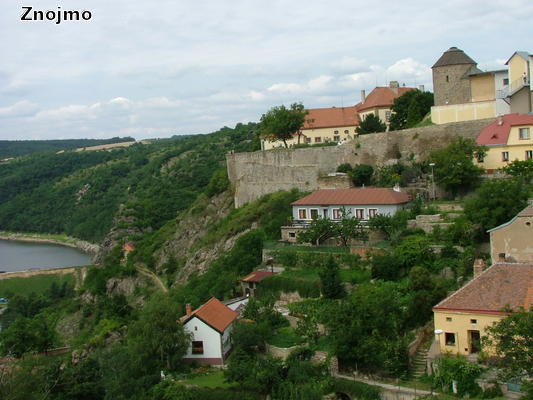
column 19, row 256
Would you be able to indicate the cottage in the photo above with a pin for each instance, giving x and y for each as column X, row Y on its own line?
column 210, row 327
column 512, row 241
column 249, row 282
column 462, row 318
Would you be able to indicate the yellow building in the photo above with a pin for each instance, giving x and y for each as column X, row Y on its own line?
column 520, row 98
column 461, row 320
column 508, row 138
column 463, row 92
column 339, row 124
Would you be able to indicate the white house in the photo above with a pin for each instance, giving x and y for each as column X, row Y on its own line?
column 362, row 203
column 210, row 327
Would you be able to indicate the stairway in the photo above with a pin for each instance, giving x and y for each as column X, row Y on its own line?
column 418, row 364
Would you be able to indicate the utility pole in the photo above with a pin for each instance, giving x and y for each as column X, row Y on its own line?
column 432, row 181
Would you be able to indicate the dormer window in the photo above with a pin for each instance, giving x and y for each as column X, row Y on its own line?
column 523, row 133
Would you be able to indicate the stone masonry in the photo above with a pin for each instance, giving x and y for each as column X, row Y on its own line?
column 256, row 174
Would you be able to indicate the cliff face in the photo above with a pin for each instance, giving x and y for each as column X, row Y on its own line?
column 253, row 175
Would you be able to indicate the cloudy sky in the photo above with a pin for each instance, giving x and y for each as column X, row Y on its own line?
column 159, row 68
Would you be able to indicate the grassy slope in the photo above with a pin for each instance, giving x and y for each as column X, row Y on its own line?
column 34, row 284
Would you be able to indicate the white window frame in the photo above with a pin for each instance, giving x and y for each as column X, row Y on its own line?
column 523, row 134
column 337, row 211
column 311, row 213
column 305, row 213
column 505, row 156
column 372, row 212
column 362, row 210
column 529, row 154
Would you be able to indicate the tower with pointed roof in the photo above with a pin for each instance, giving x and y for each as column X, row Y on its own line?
column 450, row 77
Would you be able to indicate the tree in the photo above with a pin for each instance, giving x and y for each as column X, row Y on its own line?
column 371, row 124
column 512, row 341
column 362, row 174
column 157, row 335
column 410, row 108
column 320, row 229
column 281, row 123
column 27, row 334
column 330, row 279
column 496, row 201
column 520, row 169
column 349, row 228
column 454, row 169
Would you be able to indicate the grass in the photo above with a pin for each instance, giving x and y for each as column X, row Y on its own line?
column 311, row 274
column 37, row 284
column 285, row 337
column 214, row 380
column 274, row 245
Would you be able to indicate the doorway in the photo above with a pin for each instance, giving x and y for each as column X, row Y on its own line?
column 475, row 341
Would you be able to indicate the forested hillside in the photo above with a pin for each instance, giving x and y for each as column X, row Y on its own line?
column 16, row 148
column 79, row 193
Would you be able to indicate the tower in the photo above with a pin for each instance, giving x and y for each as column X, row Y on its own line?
column 450, row 77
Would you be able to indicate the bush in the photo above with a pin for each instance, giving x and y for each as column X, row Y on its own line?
column 275, row 284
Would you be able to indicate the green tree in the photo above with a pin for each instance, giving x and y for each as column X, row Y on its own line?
column 349, row 228
column 362, row 174
column 520, row 169
column 318, row 231
column 457, row 369
column 158, row 335
column 410, row 108
column 496, row 201
column 454, row 167
column 330, row 280
column 371, row 124
column 512, row 341
column 281, row 123
column 25, row 335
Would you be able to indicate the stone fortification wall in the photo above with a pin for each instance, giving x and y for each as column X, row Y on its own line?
column 256, row 174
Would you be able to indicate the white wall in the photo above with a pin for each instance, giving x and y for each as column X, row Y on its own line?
column 502, row 107
column 210, row 337
column 234, row 306
column 383, row 209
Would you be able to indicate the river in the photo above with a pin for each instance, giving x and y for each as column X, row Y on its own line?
column 19, row 256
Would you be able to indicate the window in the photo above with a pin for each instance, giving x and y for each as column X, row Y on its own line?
column 318, row 139
column 447, row 78
column 307, row 140
column 473, row 321
column 336, row 138
column 337, row 213
column 523, row 133
column 387, row 116
column 335, row 132
column 195, row 328
column 346, row 131
column 480, row 157
column 449, row 339
column 314, row 213
column 292, row 234
column 529, row 154
column 448, row 319
column 197, row 347
column 360, row 213
column 505, row 156
column 372, row 212
column 505, row 81
column 302, row 213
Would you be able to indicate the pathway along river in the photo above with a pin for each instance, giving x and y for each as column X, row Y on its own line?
column 20, row 256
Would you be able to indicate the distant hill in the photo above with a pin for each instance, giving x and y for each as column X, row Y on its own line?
column 16, row 148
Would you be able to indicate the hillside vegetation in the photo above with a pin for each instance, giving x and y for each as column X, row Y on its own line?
column 79, row 193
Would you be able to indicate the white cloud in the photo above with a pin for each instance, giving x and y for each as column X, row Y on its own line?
column 21, row 108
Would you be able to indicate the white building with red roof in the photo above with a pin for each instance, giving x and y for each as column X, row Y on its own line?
column 508, row 138
column 210, row 327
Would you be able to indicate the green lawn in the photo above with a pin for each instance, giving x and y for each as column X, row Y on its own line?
column 214, row 380
column 285, row 337
column 38, row 284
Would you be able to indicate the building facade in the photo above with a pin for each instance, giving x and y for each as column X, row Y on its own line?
column 507, row 139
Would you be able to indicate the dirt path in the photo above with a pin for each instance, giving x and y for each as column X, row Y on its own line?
column 154, row 277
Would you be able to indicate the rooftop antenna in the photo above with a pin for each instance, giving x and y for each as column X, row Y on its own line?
column 342, row 101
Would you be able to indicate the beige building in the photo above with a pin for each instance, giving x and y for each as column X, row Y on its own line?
column 507, row 139
column 463, row 92
column 339, row 124
column 513, row 241
column 462, row 319
column 520, row 72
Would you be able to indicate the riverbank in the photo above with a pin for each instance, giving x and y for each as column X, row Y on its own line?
column 62, row 240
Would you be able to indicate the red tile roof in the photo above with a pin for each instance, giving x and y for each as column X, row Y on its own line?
column 382, row 97
column 128, row 247
column 358, row 196
column 331, row 117
column 213, row 313
column 256, row 276
column 502, row 285
column 497, row 132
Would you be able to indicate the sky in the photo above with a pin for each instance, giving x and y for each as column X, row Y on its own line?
column 159, row 68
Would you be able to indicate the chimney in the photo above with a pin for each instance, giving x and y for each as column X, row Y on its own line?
column 363, row 96
column 501, row 257
column 394, row 84
column 421, row 88
column 500, row 120
column 188, row 309
column 396, row 188
column 479, row 266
